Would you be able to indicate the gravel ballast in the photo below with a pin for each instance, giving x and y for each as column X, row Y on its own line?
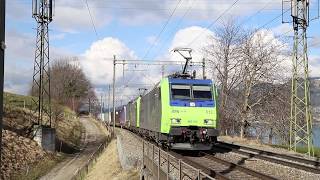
column 129, row 149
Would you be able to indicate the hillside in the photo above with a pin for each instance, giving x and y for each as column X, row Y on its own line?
column 21, row 154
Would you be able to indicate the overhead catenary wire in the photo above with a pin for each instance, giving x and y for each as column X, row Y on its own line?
column 162, row 29
column 215, row 21
column 176, row 27
column 91, row 18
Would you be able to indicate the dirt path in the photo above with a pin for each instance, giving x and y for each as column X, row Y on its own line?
column 66, row 169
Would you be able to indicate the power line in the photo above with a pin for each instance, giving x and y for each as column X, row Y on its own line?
column 176, row 27
column 216, row 20
column 91, row 18
column 162, row 30
column 259, row 11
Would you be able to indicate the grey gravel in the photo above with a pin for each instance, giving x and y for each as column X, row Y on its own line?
column 269, row 168
column 129, row 149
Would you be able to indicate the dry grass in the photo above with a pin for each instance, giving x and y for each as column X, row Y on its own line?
column 40, row 168
column 19, row 118
column 101, row 126
column 109, row 167
column 69, row 130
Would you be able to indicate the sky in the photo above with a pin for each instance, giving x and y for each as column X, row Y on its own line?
column 136, row 29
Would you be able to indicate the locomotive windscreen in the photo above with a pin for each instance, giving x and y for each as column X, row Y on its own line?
column 202, row 92
column 181, row 91
column 199, row 92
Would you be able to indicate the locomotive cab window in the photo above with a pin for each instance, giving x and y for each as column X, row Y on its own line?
column 180, row 91
column 202, row 92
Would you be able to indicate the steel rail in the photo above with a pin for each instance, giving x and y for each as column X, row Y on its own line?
column 308, row 165
column 238, row 167
column 211, row 172
column 178, row 157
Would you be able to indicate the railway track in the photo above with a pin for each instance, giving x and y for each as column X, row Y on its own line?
column 220, row 168
column 210, row 171
column 237, row 167
column 308, row 165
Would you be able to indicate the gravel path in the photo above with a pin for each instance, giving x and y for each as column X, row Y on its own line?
column 92, row 139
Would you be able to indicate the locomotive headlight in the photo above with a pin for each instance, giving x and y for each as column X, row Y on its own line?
column 175, row 121
column 208, row 121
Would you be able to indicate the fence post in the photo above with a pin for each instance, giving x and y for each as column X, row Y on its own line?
column 199, row 174
column 142, row 154
column 168, row 166
column 159, row 158
column 152, row 153
column 180, row 170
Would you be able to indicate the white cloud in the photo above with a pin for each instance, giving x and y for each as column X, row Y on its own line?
column 315, row 42
column 19, row 60
column 193, row 37
column 282, row 28
column 98, row 65
column 72, row 15
column 314, row 62
column 97, row 60
column 73, row 19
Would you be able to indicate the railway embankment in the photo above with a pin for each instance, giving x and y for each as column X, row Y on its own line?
column 120, row 160
column 123, row 157
column 22, row 157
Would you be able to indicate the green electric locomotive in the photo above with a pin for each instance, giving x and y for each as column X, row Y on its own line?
column 180, row 113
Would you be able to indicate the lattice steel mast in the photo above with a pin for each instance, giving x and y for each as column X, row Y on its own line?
column 301, row 118
column 42, row 12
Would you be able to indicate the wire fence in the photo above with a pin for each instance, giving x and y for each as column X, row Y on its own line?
column 163, row 165
column 81, row 172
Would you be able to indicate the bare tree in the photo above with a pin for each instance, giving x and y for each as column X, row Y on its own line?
column 273, row 113
column 223, row 56
column 69, row 84
column 260, row 63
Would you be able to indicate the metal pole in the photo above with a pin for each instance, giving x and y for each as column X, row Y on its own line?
column 101, row 108
column 109, row 98
column 162, row 70
column 113, row 92
column 89, row 106
column 204, row 68
column 2, row 41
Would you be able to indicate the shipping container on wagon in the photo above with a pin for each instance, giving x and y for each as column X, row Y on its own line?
column 134, row 113
column 150, row 112
column 122, row 115
column 117, row 116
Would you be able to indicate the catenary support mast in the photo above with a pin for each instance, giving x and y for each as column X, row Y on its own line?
column 301, row 118
column 42, row 13
column 2, row 50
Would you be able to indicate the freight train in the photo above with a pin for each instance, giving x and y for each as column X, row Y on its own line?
column 180, row 113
